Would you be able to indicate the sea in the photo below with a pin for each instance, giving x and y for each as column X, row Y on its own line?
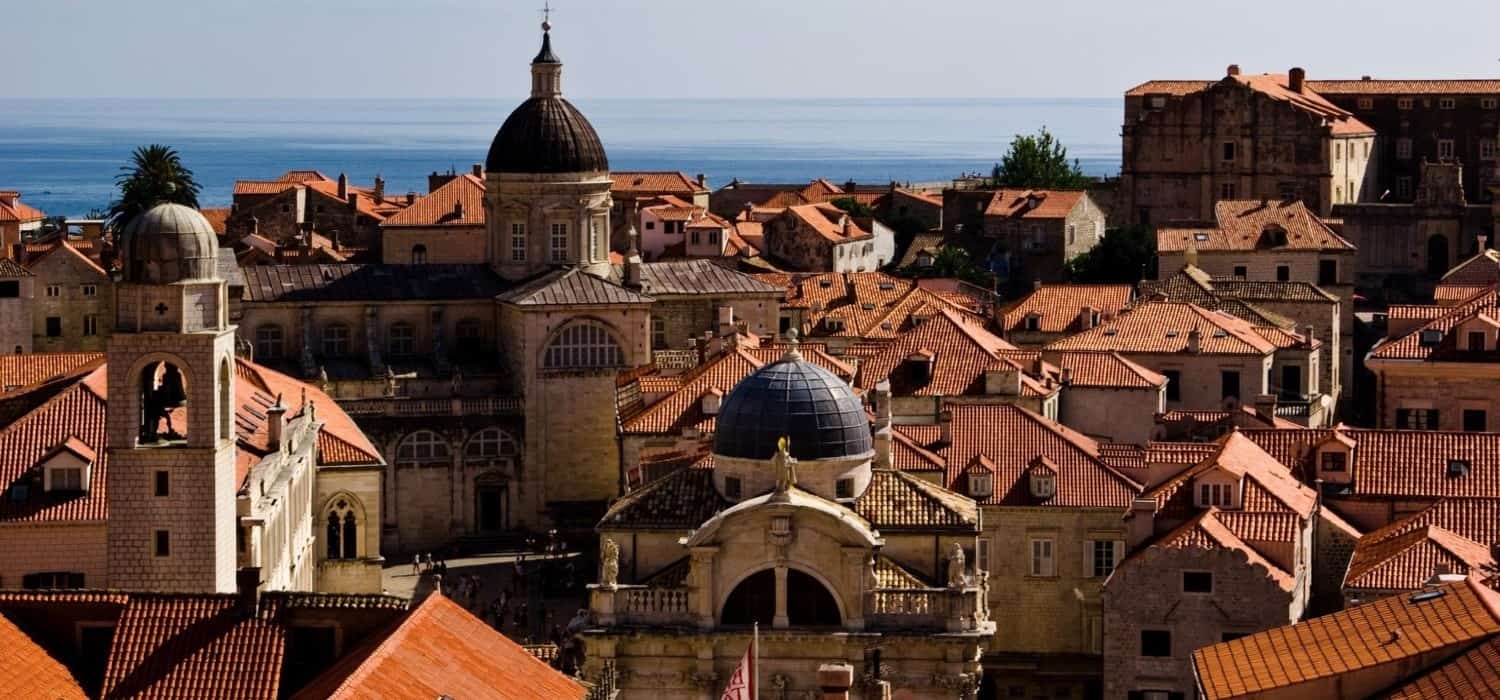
column 64, row 154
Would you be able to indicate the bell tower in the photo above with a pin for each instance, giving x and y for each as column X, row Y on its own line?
column 170, row 426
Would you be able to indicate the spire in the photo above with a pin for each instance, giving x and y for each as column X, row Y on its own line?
column 546, row 68
column 546, row 55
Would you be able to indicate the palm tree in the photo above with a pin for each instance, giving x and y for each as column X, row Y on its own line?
column 154, row 176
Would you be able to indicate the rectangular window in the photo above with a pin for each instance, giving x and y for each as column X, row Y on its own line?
column 163, row 483
column 54, row 326
column 1197, row 582
column 1487, row 149
column 1228, row 150
column 697, row 237
column 1447, row 103
column 518, row 242
column 1226, row 190
column 982, row 555
column 1475, row 420
column 70, row 479
column 559, row 243
column 1403, row 187
column 1366, row 103
column 650, row 225
column 1333, row 461
column 54, row 290
column 163, row 543
column 1156, row 643
column 1403, row 148
column 91, row 325
column 1476, row 341
column 1328, row 272
column 1229, row 384
column 1106, row 555
column 91, row 290
column 1283, row 273
column 1403, row 103
column 1241, row 272
column 10, row 289
column 1291, row 381
column 1338, row 151
column 1174, row 384
column 1417, row 418
column 1445, row 149
column 52, row 579
column 732, row 488
column 1042, row 562
column 658, row 333
column 1489, row 102
column 843, row 488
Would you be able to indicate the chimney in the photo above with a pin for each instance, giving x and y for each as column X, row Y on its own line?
column 247, row 584
column 379, row 189
column 353, row 201
column 712, row 399
column 1484, row 243
column 702, row 181
column 1309, row 334
column 745, row 213
column 254, row 225
column 477, row 170
column 333, row 236
column 1234, row 70
column 1265, row 405
column 1086, row 318
column 945, row 426
column 1295, row 78
column 726, row 321
column 1067, row 376
column 411, row 198
column 275, row 423
column 343, row 186
column 1142, row 523
column 458, row 209
column 1195, row 341
column 1190, row 256
column 1002, row 382
column 835, row 680
column 1036, row 283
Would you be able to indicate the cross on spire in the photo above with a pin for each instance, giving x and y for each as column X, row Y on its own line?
column 546, row 15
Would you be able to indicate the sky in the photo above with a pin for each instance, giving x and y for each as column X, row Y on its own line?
column 714, row 48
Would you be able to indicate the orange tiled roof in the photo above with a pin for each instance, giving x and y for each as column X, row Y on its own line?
column 1472, row 674
column 1272, row 85
column 1450, row 294
column 651, row 183
column 1410, row 464
column 961, row 353
column 20, row 212
column 1102, row 368
column 1206, row 531
column 1250, row 225
column 260, row 187
column 303, row 176
column 168, row 646
column 1057, row 306
column 28, row 671
column 1165, row 327
column 1481, row 86
column 20, row 371
column 1482, row 269
column 1477, row 519
column 824, row 219
column 440, row 650
column 217, row 217
column 1011, row 438
column 1408, row 560
column 1032, row 204
column 872, row 305
column 1269, row 485
column 1399, row 631
column 1417, row 344
column 459, row 202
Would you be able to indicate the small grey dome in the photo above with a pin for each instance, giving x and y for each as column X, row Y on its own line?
column 169, row 243
column 792, row 397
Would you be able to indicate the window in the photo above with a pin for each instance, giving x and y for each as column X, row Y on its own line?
column 423, row 446
column 1417, row 418
column 54, row 290
column 1156, row 643
column 90, row 290
column 1403, row 187
column 1197, row 582
column 1475, row 420
column 713, row 237
column 1403, row 103
column 1226, row 190
column 163, row 543
column 1229, row 150
column 1403, row 148
column 982, row 555
column 90, row 324
column 1458, row 468
column 594, row 238
column 1447, row 103
column 1283, row 273
column 52, row 579
column 559, row 243
column 697, row 237
column 419, row 254
column 54, row 326
column 1229, row 384
column 1106, row 555
column 1476, row 341
column 658, row 333
column 1333, row 461
column 518, row 242
column 1220, row 495
column 1328, row 272
column 981, row 485
column 10, row 289
column 1042, row 562
column 1072, row 234
column 163, row 483
column 491, row 443
column 65, row 479
column 1489, row 103
column 1486, row 149
column 1241, row 272
column 469, row 337
column 843, row 488
column 732, row 488
column 583, row 346
column 650, row 225
column 1366, row 103
column 1338, row 151
column 402, row 340
column 1033, row 322
column 268, row 342
column 1445, row 149
column 1174, row 384
column 336, row 340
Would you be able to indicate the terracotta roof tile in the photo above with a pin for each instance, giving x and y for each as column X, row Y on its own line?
column 440, row 650
column 1206, row 531
column 1450, row 294
column 28, row 671
column 898, row 501
column 1404, row 463
column 1104, row 369
column 1472, row 674
column 1251, row 225
column 1057, row 306
column 458, row 202
column 1481, row 86
column 217, row 217
column 25, row 370
column 171, row 646
column 16, row 211
column 1482, row 269
column 1269, row 485
column 1408, row 560
column 960, row 352
column 1032, row 204
column 1432, row 340
column 1394, row 630
column 650, row 183
column 1165, row 327
column 828, row 221
column 1273, row 86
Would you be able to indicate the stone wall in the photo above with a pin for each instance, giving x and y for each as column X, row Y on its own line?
column 74, row 547
column 1112, row 415
column 67, row 275
column 446, row 245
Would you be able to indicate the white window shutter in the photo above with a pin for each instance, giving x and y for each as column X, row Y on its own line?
column 1088, row 558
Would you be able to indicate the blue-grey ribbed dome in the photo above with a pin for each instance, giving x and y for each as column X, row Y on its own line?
column 168, row 243
column 795, row 398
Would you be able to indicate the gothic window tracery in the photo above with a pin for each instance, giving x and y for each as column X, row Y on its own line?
column 583, row 346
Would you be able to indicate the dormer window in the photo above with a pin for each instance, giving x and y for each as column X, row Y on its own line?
column 67, row 467
column 834, row 325
column 1217, row 495
column 711, row 401
column 1431, row 336
column 1033, row 322
column 1043, row 484
column 981, row 485
column 1458, row 468
column 1333, row 461
column 886, row 286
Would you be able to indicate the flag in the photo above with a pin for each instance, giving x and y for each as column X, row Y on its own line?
column 741, row 685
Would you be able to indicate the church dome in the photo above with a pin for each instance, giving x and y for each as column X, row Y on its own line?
column 169, row 243
column 546, row 134
column 811, row 406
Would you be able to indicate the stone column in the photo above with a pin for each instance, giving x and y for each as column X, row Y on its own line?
column 780, row 621
column 854, row 570
column 701, row 578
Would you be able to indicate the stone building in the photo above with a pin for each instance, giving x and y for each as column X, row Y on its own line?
column 18, row 222
column 173, row 465
column 17, row 298
column 1054, row 311
column 307, row 200
column 1188, row 144
column 836, row 555
column 1439, row 372
column 1034, row 232
column 631, row 191
column 822, row 238
column 73, row 303
column 444, row 227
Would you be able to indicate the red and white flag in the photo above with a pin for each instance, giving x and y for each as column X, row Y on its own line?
column 741, row 685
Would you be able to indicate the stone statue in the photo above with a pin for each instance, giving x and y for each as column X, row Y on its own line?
column 872, row 580
column 786, row 466
column 390, row 381
column 456, row 383
column 609, row 563
column 984, row 595
column 956, row 566
column 322, row 377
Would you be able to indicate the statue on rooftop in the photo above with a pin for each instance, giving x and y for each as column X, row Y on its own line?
column 956, row 566
column 609, row 563
column 786, row 466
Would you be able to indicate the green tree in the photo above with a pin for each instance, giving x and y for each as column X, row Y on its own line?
column 155, row 175
column 951, row 261
column 852, row 206
column 1123, row 255
column 1038, row 162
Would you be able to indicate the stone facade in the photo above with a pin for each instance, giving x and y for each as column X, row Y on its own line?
column 1034, row 232
column 72, row 307
column 17, row 298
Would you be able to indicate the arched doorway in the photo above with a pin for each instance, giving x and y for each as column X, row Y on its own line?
column 1437, row 255
column 808, row 602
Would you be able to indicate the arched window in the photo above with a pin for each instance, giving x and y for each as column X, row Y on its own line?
column 422, row 446
column 268, row 342
column 808, row 602
column 333, row 537
column 402, row 339
column 336, row 340
column 583, row 346
column 419, row 254
column 351, row 536
column 469, row 337
column 163, row 404
column 491, row 443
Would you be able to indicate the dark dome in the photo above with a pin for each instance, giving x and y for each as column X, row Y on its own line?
column 546, row 135
column 796, row 398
